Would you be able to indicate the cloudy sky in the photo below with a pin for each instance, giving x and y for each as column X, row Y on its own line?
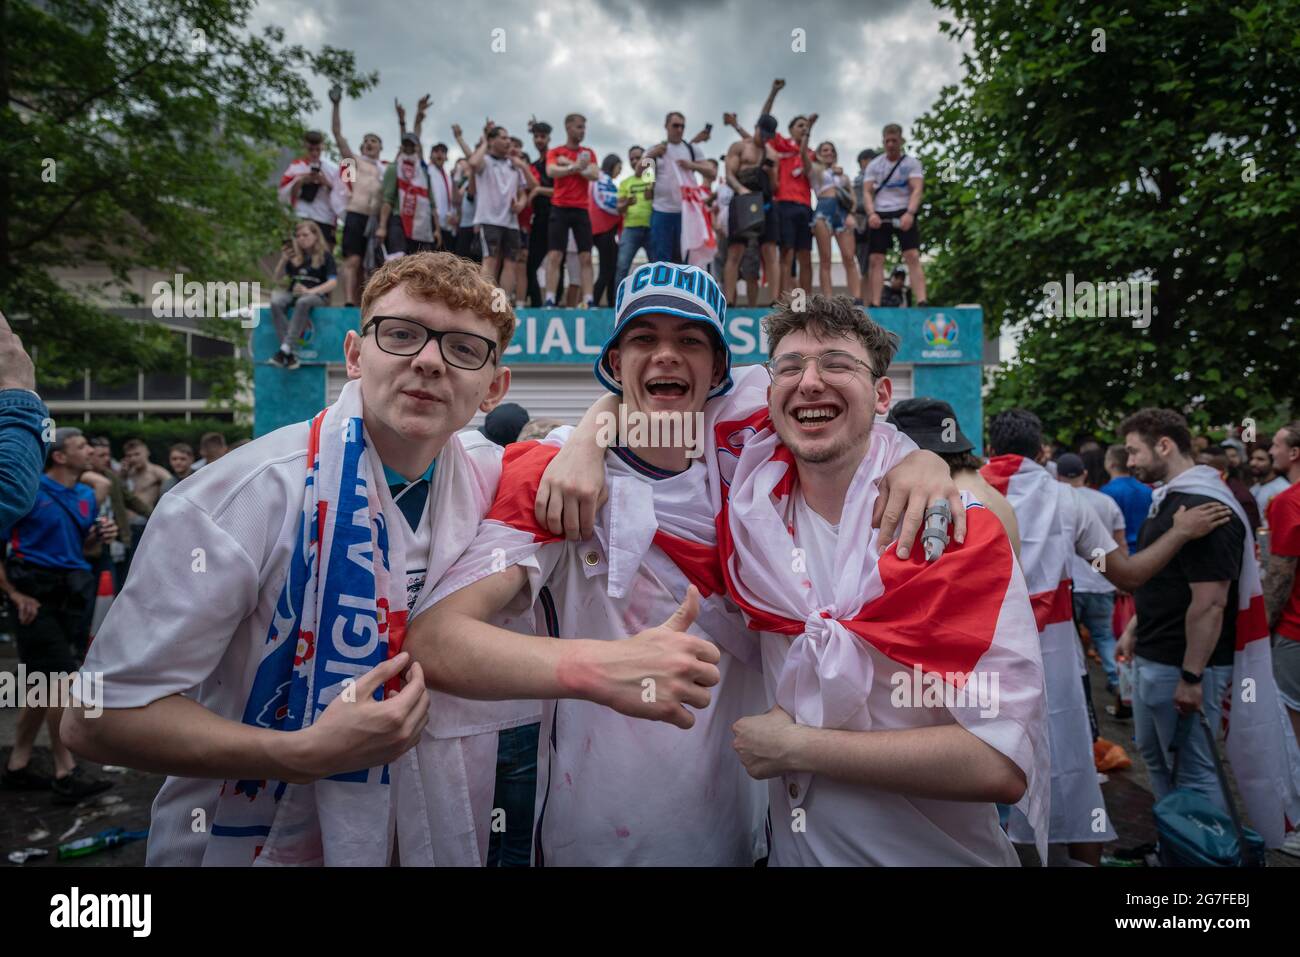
column 625, row 63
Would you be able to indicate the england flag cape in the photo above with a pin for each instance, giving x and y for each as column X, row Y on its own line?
column 413, row 198
column 1046, row 544
column 341, row 612
column 336, row 198
column 1254, row 722
column 511, row 533
column 699, row 244
column 967, row 612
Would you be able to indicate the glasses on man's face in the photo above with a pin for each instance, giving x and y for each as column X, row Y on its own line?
column 835, row 368
column 677, row 126
column 406, row 337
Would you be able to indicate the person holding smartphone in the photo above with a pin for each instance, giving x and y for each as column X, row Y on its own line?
column 311, row 187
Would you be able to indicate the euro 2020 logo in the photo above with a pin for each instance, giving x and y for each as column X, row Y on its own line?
column 941, row 332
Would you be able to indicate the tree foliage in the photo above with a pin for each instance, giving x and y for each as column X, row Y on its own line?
column 139, row 134
column 1116, row 141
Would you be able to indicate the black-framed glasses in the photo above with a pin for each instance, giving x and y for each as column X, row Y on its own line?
column 406, row 337
column 835, row 367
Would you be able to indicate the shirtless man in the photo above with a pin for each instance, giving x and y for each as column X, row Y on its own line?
column 751, row 168
column 364, row 172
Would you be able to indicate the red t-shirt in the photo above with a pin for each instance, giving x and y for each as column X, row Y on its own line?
column 792, row 175
column 571, row 190
column 1284, row 540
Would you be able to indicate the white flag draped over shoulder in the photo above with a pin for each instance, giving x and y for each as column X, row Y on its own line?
column 1255, row 735
column 965, row 613
column 1046, row 518
column 1047, row 542
column 699, row 244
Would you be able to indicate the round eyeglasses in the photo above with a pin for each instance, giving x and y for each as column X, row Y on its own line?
column 406, row 337
column 835, row 367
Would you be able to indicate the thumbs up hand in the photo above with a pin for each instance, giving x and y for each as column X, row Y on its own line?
column 655, row 673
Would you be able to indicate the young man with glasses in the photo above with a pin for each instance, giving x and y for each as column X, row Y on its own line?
column 644, row 577
column 886, row 674
column 255, row 656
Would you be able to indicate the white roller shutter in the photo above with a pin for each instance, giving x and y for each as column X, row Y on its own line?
column 901, row 377
column 552, row 392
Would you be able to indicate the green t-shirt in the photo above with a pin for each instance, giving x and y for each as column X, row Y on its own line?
column 388, row 188
column 638, row 213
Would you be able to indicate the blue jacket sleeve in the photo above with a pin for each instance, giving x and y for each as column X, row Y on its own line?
column 22, row 453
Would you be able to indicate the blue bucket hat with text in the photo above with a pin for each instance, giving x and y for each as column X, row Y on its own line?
column 673, row 290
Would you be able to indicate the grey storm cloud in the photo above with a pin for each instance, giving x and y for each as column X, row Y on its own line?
column 624, row 64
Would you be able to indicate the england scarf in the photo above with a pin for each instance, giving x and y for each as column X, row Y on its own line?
column 341, row 612
column 966, row 612
column 1046, row 543
column 1254, row 722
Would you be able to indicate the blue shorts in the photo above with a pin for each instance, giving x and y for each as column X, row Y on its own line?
column 830, row 210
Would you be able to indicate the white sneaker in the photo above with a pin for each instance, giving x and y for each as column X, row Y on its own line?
column 1292, row 844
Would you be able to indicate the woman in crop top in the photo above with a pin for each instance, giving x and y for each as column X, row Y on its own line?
column 832, row 218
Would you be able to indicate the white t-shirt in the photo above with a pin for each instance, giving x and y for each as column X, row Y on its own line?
column 841, row 824
column 895, row 194
column 1086, row 578
column 724, row 192
column 669, row 177
column 496, row 187
column 1264, row 493
column 468, row 209
column 440, row 182
column 1086, row 528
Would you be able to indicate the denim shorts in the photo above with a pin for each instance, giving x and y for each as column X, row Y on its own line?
column 830, row 210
